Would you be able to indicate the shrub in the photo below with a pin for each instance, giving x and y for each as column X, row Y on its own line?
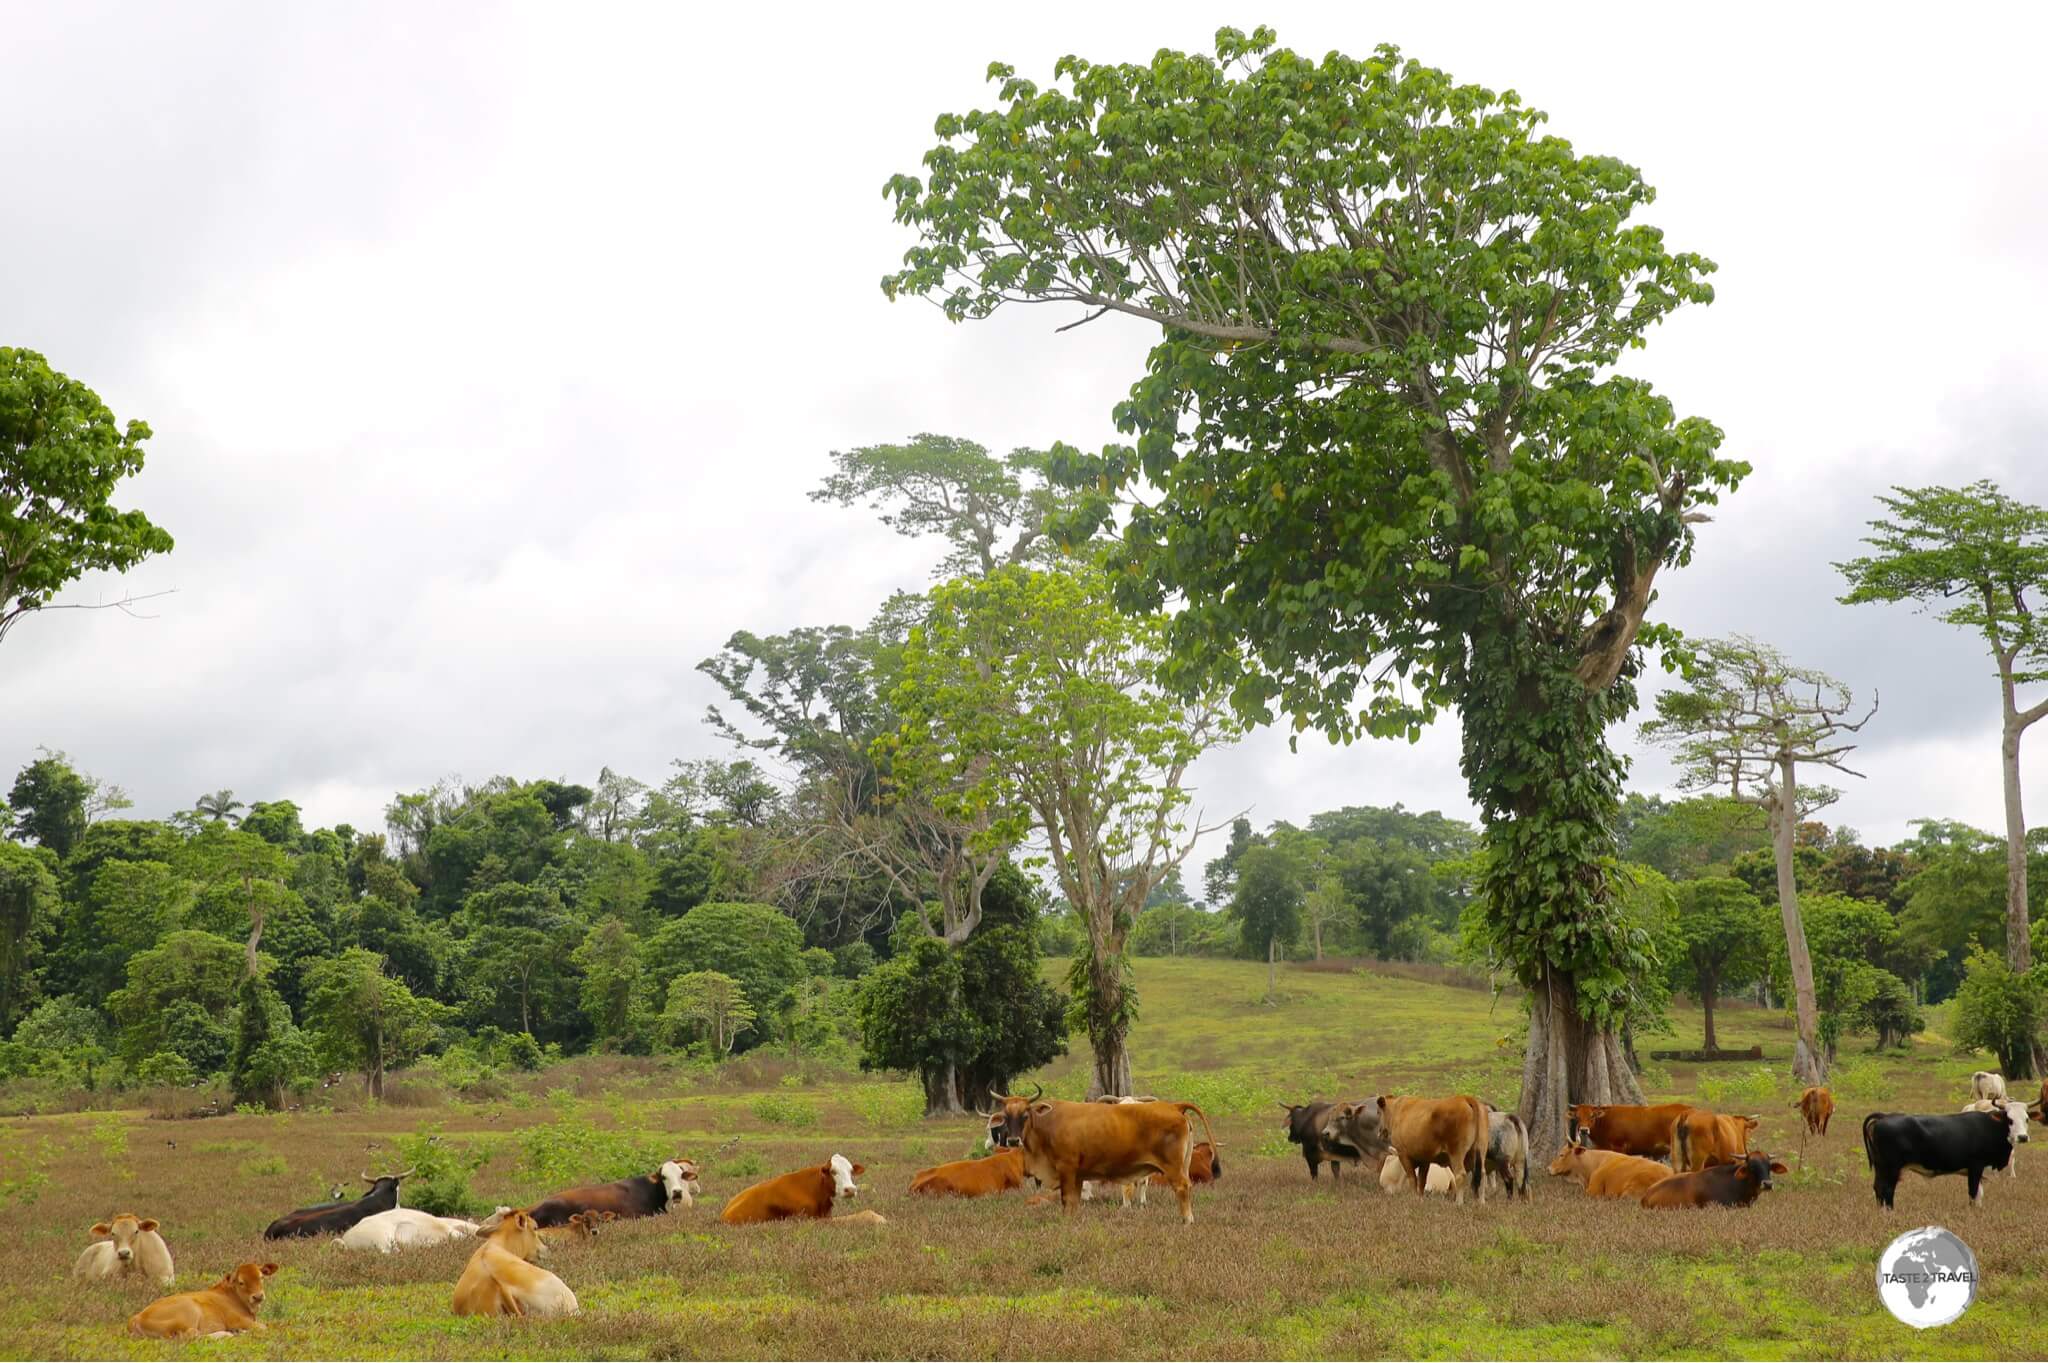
column 569, row 1151
column 441, row 1172
column 777, row 1110
column 1998, row 1011
column 166, row 1068
column 887, row 1105
column 1748, row 1090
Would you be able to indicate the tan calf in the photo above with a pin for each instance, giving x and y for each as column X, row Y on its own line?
column 132, row 1247
column 226, row 1308
column 501, row 1279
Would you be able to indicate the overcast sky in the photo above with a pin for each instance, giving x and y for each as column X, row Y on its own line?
column 490, row 352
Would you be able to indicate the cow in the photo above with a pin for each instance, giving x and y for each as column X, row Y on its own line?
column 805, row 1193
column 1986, row 1085
column 501, row 1278
column 673, row 1185
column 1701, row 1138
column 1065, row 1143
column 2012, row 1168
column 1631, row 1129
column 1305, row 1126
column 585, row 1225
column 1507, row 1151
column 132, row 1246
column 1394, row 1178
column 1816, row 1105
column 860, row 1218
column 1964, row 1143
column 404, row 1228
column 997, row 1173
column 226, row 1308
column 1204, row 1166
column 1608, row 1173
column 332, row 1218
column 1735, row 1184
column 1449, row 1131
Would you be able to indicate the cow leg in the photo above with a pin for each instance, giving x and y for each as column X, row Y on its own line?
column 1070, row 1193
column 1183, row 1190
column 1977, row 1187
column 1478, row 1163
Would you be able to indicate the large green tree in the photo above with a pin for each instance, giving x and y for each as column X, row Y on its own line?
column 28, row 913
column 61, row 455
column 1267, row 904
column 1387, row 466
column 363, row 1018
column 1029, row 701
column 1976, row 559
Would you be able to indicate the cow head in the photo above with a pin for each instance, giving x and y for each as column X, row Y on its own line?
column 515, row 1233
column 122, row 1230
column 2015, row 1115
column 1569, row 1160
column 1583, row 1116
column 585, row 1225
column 678, row 1180
column 1006, row 1122
column 1358, row 1127
column 1756, row 1169
column 246, row 1282
column 843, row 1171
column 383, row 1185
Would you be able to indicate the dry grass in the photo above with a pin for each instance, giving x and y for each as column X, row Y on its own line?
column 1274, row 1266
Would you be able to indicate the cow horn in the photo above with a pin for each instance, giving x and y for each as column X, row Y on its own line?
column 367, row 1178
column 407, row 1174
column 1036, row 1091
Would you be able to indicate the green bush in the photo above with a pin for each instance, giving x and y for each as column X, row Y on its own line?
column 1748, row 1090
column 1999, row 1011
column 166, row 1069
column 441, row 1172
column 777, row 1110
column 569, row 1151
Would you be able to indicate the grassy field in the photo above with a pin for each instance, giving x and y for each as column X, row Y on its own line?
column 1274, row 1266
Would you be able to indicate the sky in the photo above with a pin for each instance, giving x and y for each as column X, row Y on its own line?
column 491, row 350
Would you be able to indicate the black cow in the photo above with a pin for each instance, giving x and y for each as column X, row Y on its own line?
column 1305, row 1129
column 1950, row 1143
column 332, row 1218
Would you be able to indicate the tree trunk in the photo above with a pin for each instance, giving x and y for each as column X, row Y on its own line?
column 1106, row 1003
column 942, row 1091
column 1272, row 952
column 1112, row 1072
column 1569, row 1060
column 1709, row 987
column 1809, row 1066
column 2018, row 949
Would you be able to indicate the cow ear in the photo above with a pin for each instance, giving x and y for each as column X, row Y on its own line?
column 102, row 1229
column 1381, row 1101
column 1779, row 1168
column 860, row 1168
column 1041, row 1108
column 1752, row 1122
column 269, row 1269
column 149, row 1224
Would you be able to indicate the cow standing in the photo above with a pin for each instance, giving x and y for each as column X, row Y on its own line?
column 671, row 1186
column 1448, row 1131
column 1737, row 1184
column 332, row 1218
column 1507, row 1151
column 1816, row 1105
column 132, row 1246
column 1700, row 1138
column 1984, row 1085
column 1631, row 1128
column 1305, row 1128
column 1065, row 1143
column 1965, row 1143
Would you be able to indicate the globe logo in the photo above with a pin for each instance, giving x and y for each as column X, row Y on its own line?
column 1927, row 1277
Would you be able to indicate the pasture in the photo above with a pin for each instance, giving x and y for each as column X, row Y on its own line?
column 1274, row 1266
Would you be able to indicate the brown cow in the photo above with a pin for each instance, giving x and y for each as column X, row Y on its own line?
column 1608, row 1173
column 1701, row 1138
column 805, row 1193
column 586, row 1225
column 1448, row 1131
column 226, row 1308
column 1065, row 1143
column 1816, row 1105
column 997, row 1173
column 1721, row 1185
column 1578, row 1163
column 131, row 1246
column 501, row 1278
column 1630, row 1128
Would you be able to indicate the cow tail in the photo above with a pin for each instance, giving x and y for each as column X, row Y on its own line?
column 1869, row 1155
column 1522, row 1132
column 1681, row 1144
column 1185, row 1109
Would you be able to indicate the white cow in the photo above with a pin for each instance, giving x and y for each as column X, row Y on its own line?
column 404, row 1228
column 2016, row 1115
column 132, row 1246
column 1986, row 1085
column 1394, row 1179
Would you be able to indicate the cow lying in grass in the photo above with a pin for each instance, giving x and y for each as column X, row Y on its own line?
column 501, row 1278
column 1608, row 1173
column 804, row 1193
column 404, row 1228
column 132, row 1247
column 1721, row 1185
column 226, row 1308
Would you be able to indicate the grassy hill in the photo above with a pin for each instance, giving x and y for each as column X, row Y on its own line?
column 1274, row 1265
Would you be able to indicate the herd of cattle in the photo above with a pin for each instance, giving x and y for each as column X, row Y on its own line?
column 1669, row 1155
